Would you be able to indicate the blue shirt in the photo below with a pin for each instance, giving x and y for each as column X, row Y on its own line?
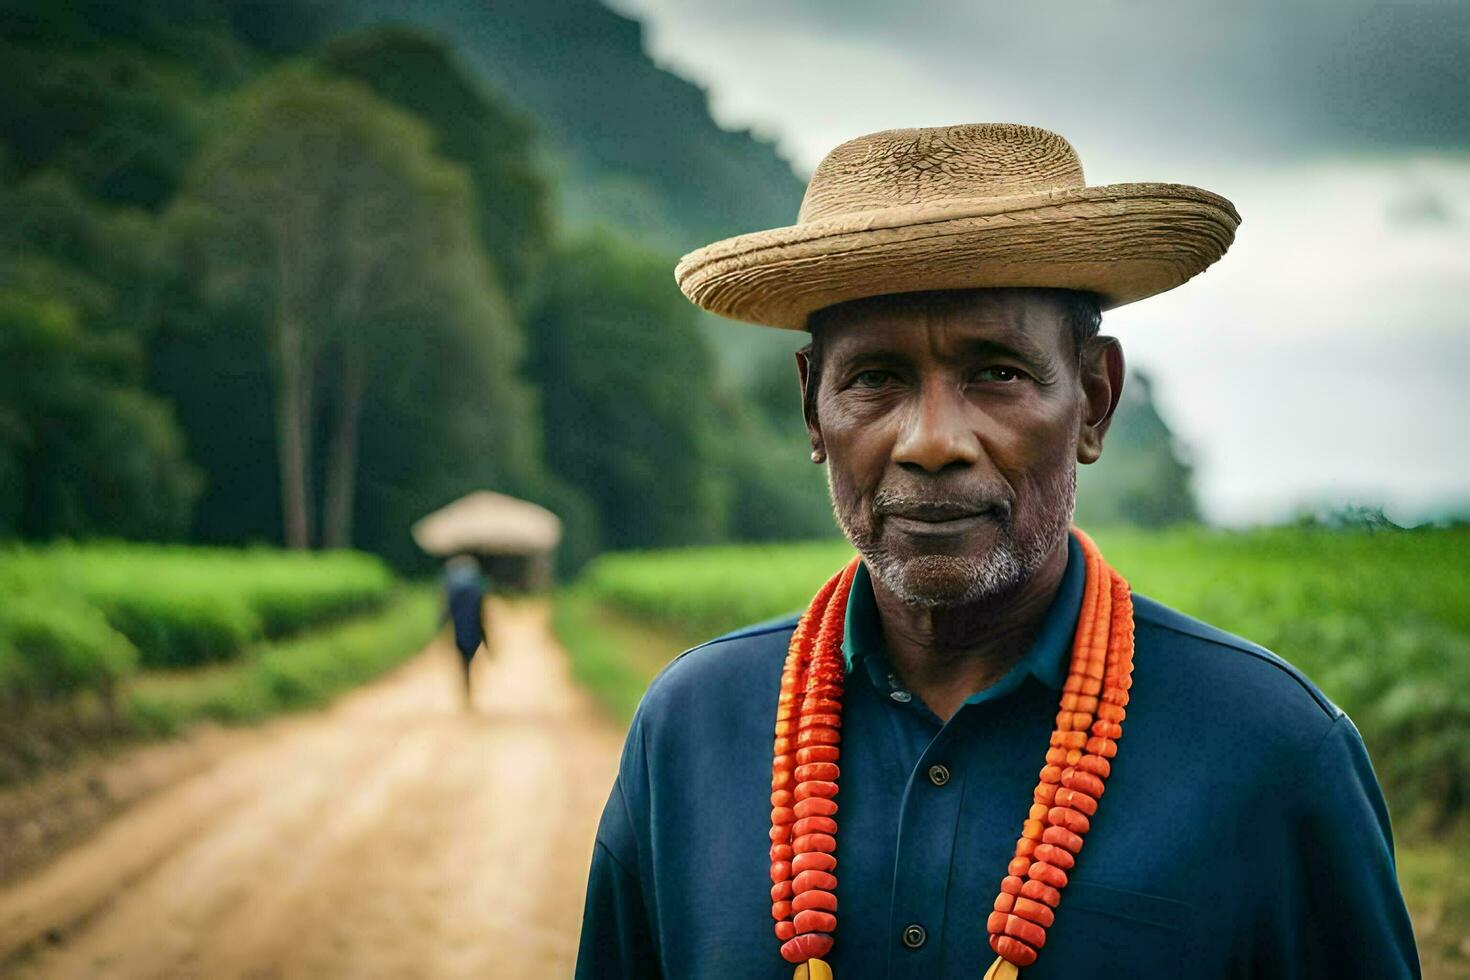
column 1242, row 834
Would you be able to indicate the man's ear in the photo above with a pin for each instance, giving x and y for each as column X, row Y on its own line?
column 808, row 405
column 1102, row 371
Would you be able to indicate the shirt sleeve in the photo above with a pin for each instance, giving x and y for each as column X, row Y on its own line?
column 617, row 940
column 1352, row 920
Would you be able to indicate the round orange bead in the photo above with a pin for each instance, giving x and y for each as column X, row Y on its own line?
column 1080, row 802
column 1028, row 932
column 814, row 881
column 827, row 771
column 816, row 842
column 814, row 806
column 1083, row 781
column 813, row 861
column 1013, row 950
column 815, row 898
column 1047, row 874
column 814, row 825
column 1060, row 837
column 817, row 753
column 1059, row 816
column 1057, row 856
column 1040, row 891
column 813, row 920
column 1035, row 912
column 810, row 946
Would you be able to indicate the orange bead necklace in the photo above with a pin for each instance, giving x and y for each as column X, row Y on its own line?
column 804, row 775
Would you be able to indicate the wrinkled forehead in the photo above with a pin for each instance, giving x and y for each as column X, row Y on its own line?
column 1031, row 321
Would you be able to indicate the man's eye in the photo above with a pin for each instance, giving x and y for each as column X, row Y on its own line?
column 998, row 372
column 871, row 379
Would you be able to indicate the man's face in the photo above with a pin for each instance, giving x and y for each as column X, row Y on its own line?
column 951, row 427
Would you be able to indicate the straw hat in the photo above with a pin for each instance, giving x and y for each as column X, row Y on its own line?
column 958, row 207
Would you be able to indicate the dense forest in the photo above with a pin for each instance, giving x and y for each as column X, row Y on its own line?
column 299, row 272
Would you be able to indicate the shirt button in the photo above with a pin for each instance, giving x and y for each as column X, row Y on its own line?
column 903, row 697
column 938, row 775
column 914, row 936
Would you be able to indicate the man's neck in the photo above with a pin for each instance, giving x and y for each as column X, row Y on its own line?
column 946, row 655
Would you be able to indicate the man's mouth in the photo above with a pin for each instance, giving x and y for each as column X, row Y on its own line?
column 938, row 518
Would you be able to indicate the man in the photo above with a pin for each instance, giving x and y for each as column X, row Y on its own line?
column 464, row 605
column 952, row 280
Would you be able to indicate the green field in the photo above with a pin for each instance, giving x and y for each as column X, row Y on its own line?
column 79, row 618
column 301, row 672
column 103, row 643
column 1378, row 619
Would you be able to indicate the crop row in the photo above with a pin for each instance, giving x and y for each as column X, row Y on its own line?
column 82, row 617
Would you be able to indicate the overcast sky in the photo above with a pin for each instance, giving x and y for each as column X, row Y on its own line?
column 1325, row 358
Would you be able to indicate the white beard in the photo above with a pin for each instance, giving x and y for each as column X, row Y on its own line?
column 938, row 581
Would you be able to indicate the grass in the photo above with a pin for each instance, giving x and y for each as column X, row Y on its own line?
column 302, row 672
column 613, row 655
column 708, row 591
column 1436, row 881
column 183, row 606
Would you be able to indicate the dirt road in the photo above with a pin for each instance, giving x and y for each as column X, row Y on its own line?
column 391, row 836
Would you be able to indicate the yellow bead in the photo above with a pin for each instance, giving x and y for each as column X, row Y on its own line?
column 813, row 970
column 1001, row 969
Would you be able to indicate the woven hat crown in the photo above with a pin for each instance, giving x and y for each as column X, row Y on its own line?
column 900, row 167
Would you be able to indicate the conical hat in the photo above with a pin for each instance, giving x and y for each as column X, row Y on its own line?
column 960, row 207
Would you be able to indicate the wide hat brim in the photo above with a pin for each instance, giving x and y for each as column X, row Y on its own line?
column 1124, row 242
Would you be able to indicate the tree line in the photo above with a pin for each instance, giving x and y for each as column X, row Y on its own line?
column 264, row 278
column 306, row 291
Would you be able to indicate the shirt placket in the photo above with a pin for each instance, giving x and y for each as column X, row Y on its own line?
column 924, row 849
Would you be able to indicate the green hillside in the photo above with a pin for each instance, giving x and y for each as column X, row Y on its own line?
column 634, row 144
column 630, row 145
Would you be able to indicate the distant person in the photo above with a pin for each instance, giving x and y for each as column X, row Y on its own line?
column 464, row 592
column 959, row 695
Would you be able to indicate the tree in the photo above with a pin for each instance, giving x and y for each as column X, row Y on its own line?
column 417, row 72
column 83, row 451
column 628, row 382
column 84, row 448
column 322, row 213
column 1141, row 478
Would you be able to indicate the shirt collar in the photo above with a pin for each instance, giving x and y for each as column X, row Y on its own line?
column 1048, row 659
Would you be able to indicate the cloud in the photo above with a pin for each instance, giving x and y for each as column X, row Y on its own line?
column 1250, row 79
column 1324, row 357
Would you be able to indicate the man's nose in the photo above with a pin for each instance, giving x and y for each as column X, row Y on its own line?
column 938, row 432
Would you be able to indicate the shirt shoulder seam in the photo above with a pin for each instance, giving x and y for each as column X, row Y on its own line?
column 1241, row 645
column 612, row 856
column 744, row 634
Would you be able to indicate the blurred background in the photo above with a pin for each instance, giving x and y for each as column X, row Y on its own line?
column 279, row 278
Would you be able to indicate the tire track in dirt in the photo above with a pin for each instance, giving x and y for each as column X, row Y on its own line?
column 392, row 835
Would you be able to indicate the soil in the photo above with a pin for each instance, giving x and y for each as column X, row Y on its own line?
column 396, row 834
